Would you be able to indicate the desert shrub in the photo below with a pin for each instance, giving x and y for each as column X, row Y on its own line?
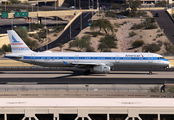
column 6, row 48
column 94, row 34
column 138, row 26
column 159, row 43
column 90, row 49
column 117, row 25
column 131, row 34
column 115, row 30
column 42, row 33
column 141, row 13
column 55, row 34
column 111, row 14
column 170, row 90
column 35, row 36
column 36, row 26
column 158, row 30
column 107, row 42
column 58, row 28
column 151, row 48
column 137, row 43
column 152, row 26
column 150, row 20
column 169, row 48
column 154, row 89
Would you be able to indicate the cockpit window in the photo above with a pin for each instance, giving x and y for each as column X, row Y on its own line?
column 160, row 57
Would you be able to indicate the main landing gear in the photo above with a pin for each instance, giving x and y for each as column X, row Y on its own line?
column 86, row 72
column 150, row 72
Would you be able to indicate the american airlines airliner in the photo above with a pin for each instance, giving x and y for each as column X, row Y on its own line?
column 93, row 62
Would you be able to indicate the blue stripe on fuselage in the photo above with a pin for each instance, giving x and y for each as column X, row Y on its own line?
column 92, row 58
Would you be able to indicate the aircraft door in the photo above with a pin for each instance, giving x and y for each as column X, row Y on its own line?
column 150, row 59
column 117, row 58
column 76, row 58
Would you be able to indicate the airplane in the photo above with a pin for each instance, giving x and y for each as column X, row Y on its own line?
column 93, row 62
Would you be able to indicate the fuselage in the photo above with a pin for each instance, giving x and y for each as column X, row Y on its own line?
column 82, row 59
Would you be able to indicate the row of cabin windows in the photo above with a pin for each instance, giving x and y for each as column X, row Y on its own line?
column 126, row 58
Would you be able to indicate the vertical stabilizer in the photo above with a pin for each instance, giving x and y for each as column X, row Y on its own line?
column 17, row 44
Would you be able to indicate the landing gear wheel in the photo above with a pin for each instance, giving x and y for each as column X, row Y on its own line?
column 150, row 72
column 87, row 72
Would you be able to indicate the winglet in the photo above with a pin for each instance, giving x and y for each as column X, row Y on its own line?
column 17, row 44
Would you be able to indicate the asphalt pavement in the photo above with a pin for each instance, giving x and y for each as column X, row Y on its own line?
column 166, row 23
column 75, row 76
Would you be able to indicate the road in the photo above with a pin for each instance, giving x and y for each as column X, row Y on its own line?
column 68, row 76
column 65, row 37
column 31, row 7
column 165, row 23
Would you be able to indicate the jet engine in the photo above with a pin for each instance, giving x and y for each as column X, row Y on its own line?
column 100, row 69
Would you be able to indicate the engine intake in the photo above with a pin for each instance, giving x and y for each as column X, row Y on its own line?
column 100, row 69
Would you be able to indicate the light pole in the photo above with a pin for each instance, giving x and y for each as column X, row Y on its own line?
column 5, row 6
column 46, row 31
column 98, row 7
column 79, row 4
column 70, row 32
column 92, row 9
column 12, row 23
column 37, row 5
column 162, row 41
column 89, row 4
column 74, row 4
column 55, row 4
column 81, row 21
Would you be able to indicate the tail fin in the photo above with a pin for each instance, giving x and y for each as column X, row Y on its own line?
column 17, row 44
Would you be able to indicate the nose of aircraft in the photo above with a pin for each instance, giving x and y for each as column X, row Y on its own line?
column 166, row 62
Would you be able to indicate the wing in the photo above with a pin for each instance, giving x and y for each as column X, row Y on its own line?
column 83, row 64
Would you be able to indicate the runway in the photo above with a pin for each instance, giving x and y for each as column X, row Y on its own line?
column 70, row 76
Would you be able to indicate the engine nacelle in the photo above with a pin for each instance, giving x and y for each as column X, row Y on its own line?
column 100, row 69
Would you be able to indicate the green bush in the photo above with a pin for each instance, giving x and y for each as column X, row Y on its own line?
column 173, row 15
column 131, row 34
column 90, row 49
column 94, row 34
column 58, row 28
column 170, row 90
column 111, row 14
column 152, row 26
column 137, row 43
column 115, row 30
column 154, row 89
column 6, row 48
column 106, row 43
column 35, row 36
column 151, row 47
column 169, row 48
column 138, row 26
column 150, row 20
column 36, row 26
column 117, row 25
column 141, row 13
column 55, row 34
column 158, row 30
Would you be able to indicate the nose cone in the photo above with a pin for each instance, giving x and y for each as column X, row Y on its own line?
column 166, row 63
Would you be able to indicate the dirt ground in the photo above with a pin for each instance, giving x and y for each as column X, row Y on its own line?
column 124, row 41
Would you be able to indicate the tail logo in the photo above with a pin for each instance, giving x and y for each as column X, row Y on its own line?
column 15, row 42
